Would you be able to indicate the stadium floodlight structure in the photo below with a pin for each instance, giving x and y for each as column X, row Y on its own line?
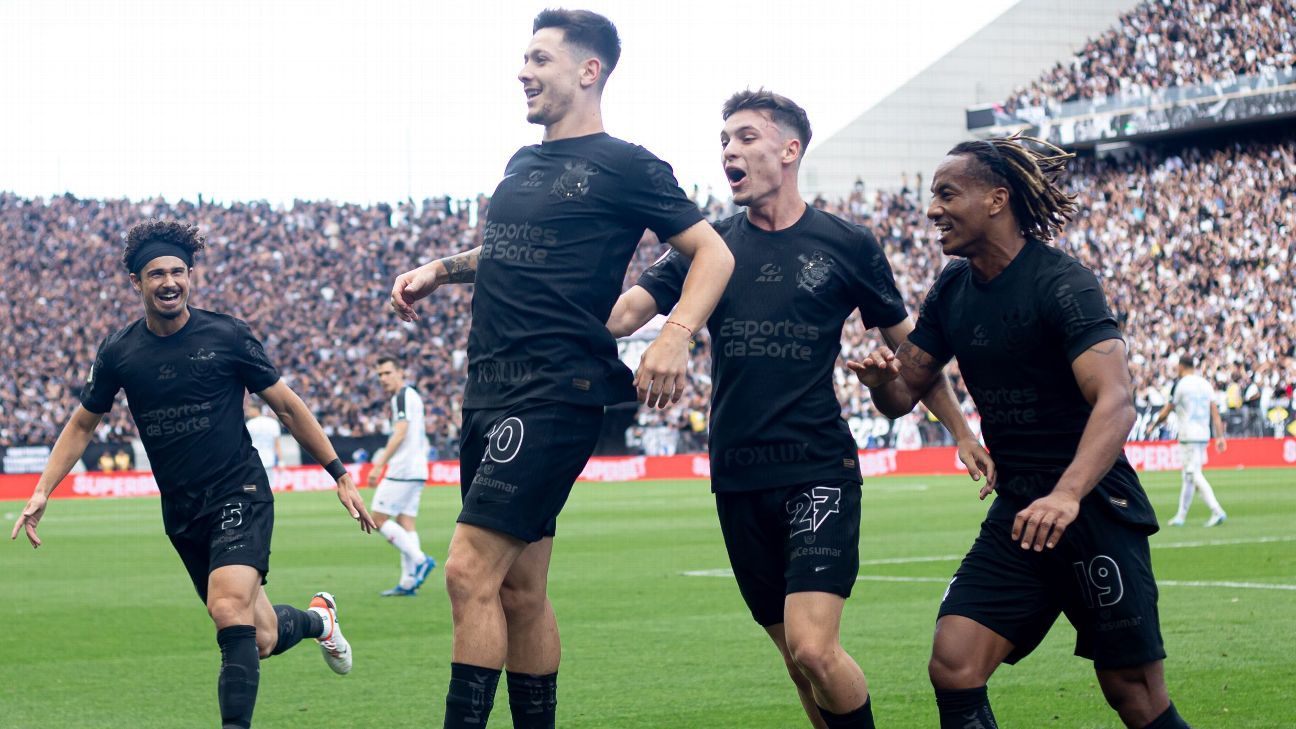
column 1104, row 121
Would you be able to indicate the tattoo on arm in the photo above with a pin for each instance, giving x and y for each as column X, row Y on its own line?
column 461, row 268
column 918, row 368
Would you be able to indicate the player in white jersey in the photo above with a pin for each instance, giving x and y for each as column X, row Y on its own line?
column 396, row 498
column 265, row 432
column 1193, row 401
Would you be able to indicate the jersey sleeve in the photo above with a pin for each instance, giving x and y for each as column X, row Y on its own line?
column 401, row 405
column 874, row 291
column 250, row 361
column 1076, row 306
column 664, row 280
column 654, row 198
column 101, row 384
column 929, row 332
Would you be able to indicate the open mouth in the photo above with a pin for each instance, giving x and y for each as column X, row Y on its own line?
column 532, row 93
column 735, row 175
column 944, row 229
column 169, row 296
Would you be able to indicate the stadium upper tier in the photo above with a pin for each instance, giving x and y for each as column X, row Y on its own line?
column 1195, row 249
column 1165, row 44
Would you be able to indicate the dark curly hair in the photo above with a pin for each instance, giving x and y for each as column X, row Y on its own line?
column 165, row 231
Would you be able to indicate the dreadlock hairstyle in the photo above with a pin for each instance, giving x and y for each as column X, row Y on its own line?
column 1031, row 174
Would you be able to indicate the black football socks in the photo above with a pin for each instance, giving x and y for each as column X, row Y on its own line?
column 239, row 675
column 861, row 718
column 965, row 709
column 471, row 696
column 1169, row 719
column 533, row 699
column 294, row 625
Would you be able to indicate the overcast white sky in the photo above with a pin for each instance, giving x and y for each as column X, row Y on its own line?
column 370, row 101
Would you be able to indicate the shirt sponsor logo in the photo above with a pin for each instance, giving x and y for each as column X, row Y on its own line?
column 997, row 405
column 979, row 336
column 166, row 372
column 177, row 420
column 753, row 338
column 498, row 371
column 517, row 242
column 815, row 272
column 574, row 182
column 534, row 179
column 765, row 455
column 770, row 273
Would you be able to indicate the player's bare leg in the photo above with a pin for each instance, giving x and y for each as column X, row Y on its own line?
column 476, row 565
column 812, row 627
column 805, row 692
column 1138, row 694
column 533, row 646
column 965, row 654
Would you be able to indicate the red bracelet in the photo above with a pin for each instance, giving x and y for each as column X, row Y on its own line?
column 681, row 326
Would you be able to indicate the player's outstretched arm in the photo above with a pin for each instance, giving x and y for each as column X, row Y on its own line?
column 69, row 447
column 422, row 281
column 1161, row 416
column 632, row 310
column 660, row 379
column 297, row 419
column 1103, row 376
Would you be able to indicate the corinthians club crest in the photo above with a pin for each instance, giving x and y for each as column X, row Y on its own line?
column 575, row 181
column 814, row 274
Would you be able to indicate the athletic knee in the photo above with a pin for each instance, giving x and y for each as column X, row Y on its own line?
column 521, row 602
column 227, row 611
column 950, row 671
column 813, row 658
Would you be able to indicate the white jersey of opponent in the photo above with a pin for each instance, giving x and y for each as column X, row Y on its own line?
column 265, row 432
column 1192, row 396
column 409, row 462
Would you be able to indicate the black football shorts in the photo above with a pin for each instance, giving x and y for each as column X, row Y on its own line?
column 517, row 464
column 1099, row 575
column 236, row 533
column 802, row 538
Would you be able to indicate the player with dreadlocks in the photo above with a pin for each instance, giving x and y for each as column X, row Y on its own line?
column 1044, row 360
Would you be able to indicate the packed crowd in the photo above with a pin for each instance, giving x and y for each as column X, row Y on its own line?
column 1195, row 249
column 1168, row 43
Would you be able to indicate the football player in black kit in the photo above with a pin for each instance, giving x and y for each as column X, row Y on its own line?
column 185, row 372
column 1043, row 358
column 562, row 227
column 784, row 466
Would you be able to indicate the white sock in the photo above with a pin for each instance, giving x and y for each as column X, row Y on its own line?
column 400, row 539
column 1207, row 493
column 1185, row 495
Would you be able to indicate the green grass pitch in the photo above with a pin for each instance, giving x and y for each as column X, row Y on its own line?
column 100, row 627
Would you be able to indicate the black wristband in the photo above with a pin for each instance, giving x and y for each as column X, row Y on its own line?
column 336, row 469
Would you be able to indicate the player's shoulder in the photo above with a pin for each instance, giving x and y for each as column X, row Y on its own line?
column 731, row 225
column 1057, row 263
column 834, row 224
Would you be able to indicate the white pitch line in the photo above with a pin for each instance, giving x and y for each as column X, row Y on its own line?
column 726, row 572
column 1223, row 542
column 912, row 560
column 1242, row 585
